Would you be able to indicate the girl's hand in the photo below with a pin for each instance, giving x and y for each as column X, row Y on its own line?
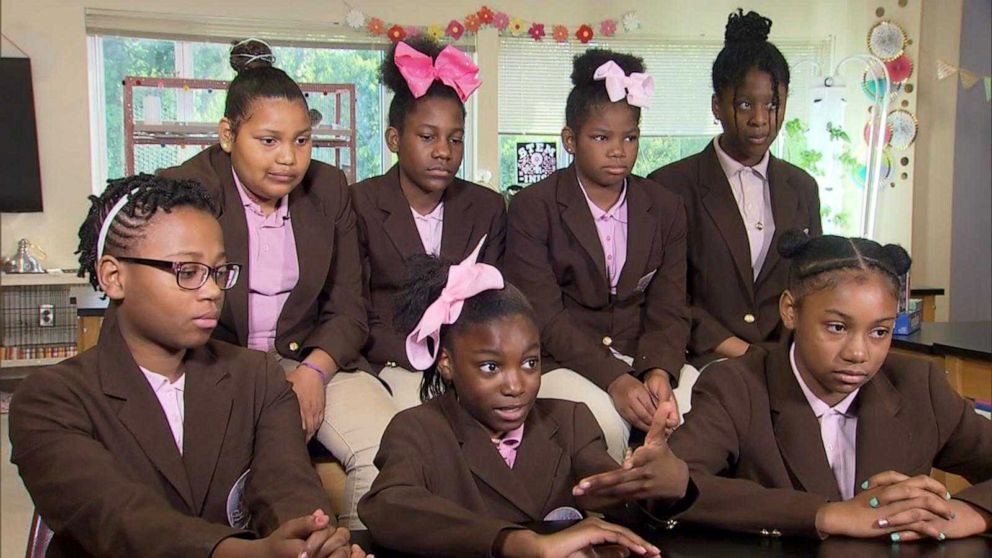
column 589, row 538
column 667, row 407
column 309, row 389
column 868, row 513
column 919, row 524
column 310, row 536
column 633, row 401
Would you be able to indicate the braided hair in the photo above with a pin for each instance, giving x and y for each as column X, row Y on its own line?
column 257, row 78
column 427, row 277
column 588, row 93
column 148, row 195
column 746, row 47
column 817, row 263
column 403, row 100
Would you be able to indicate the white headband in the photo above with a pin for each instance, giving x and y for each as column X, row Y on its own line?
column 271, row 58
column 109, row 219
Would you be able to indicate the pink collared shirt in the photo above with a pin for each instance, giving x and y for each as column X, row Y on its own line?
column 611, row 225
column 750, row 188
column 508, row 444
column 429, row 227
column 273, row 267
column 170, row 397
column 838, row 430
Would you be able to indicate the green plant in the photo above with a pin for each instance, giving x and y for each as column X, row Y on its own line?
column 797, row 151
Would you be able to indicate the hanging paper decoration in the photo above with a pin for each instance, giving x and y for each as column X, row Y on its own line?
column 988, row 89
column 886, row 40
column 899, row 69
column 505, row 24
column 888, row 132
column 904, row 126
column 945, row 70
column 968, row 79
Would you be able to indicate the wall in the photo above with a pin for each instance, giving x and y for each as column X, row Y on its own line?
column 53, row 32
column 971, row 226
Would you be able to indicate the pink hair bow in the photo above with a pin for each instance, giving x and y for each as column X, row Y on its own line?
column 453, row 68
column 637, row 87
column 465, row 280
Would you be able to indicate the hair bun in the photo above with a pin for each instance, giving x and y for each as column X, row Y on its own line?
column 390, row 73
column 792, row 242
column 250, row 54
column 742, row 27
column 584, row 65
column 898, row 258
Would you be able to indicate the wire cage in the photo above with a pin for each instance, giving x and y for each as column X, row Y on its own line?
column 39, row 322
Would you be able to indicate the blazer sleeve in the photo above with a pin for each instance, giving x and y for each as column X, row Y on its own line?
column 710, row 443
column 496, row 241
column 342, row 322
column 666, row 317
column 813, row 204
column 282, row 484
column 967, row 449
column 82, row 491
column 403, row 513
column 528, row 265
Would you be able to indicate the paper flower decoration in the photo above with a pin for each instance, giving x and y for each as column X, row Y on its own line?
column 899, row 69
column 608, row 28
column 584, row 34
column 435, row 32
column 630, row 21
column 886, row 40
column 455, row 30
column 517, row 27
column 412, row 30
column 396, row 33
column 485, row 15
column 376, row 26
column 560, row 33
column 501, row 21
column 536, row 31
column 472, row 23
column 355, row 19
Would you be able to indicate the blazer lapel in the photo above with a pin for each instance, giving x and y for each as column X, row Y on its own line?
column 231, row 214
column 208, row 404
column 484, row 460
column 883, row 441
column 797, row 431
column 314, row 249
column 641, row 224
column 139, row 411
column 578, row 219
column 538, row 459
column 784, row 202
column 718, row 199
column 456, row 233
column 398, row 221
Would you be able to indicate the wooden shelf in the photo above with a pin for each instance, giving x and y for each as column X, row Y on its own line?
column 41, row 279
column 23, row 362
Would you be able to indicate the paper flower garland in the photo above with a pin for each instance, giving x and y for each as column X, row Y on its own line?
column 484, row 17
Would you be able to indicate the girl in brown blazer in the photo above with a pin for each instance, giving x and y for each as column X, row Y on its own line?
column 419, row 206
column 739, row 199
column 600, row 253
column 289, row 220
column 160, row 441
column 460, row 473
column 831, row 435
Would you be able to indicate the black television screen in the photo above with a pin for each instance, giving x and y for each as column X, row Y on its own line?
column 20, row 179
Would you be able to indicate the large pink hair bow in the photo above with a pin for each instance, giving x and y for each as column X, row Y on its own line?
column 453, row 67
column 637, row 87
column 465, row 280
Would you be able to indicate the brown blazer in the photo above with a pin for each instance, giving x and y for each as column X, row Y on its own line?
column 754, row 449
column 324, row 310
column 387, row 237
column 554, row 256
column 96, row 453
column 444, row 490
column 725, row 298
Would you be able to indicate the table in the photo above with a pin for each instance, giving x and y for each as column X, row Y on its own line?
column 684, row 542
column 928, row 300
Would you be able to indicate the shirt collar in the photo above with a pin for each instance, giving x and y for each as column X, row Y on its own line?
column 819, row 407
column 437, row 214
column 617, row 211
column 282, row 208
column 731, row 167
column 515, row 435
column 160, row 382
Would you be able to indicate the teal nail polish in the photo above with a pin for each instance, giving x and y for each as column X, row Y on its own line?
column 947, row 496
column 864, row 485
column 894, row 537
column 873, row 502
column 941, row 536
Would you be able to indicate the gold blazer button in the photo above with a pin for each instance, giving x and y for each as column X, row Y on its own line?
column 294, row 346
column 391, row 364
column 749, row 318
column 607, row 340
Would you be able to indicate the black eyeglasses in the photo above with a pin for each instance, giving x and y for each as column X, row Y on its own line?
column 193, row 275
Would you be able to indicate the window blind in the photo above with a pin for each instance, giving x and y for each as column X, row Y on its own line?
column 534, row 82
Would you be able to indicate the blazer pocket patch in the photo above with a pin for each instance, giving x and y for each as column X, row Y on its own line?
column 643, row 282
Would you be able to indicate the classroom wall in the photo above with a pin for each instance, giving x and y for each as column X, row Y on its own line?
column 971, row 211
column 53, row 33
